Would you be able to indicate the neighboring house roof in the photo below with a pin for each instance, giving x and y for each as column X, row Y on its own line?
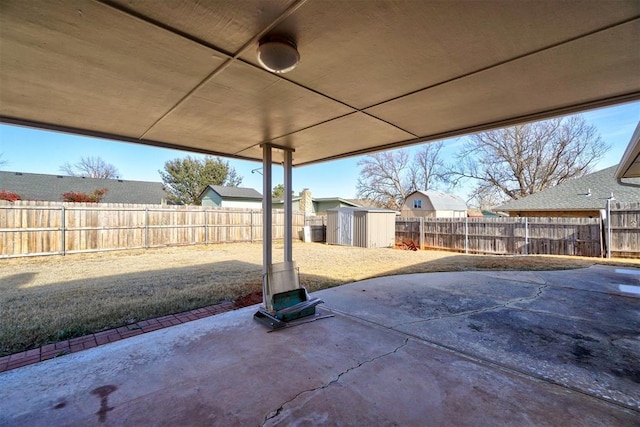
column 335, row 199
column 491, row 214
column 280, row 200
column 479, row 213
column 443, row 201
column 360, row 209
column 589, row 192
column 233, row 192
column 35, row 186
column 474, row 213
column 321, row 200
column 366, row 203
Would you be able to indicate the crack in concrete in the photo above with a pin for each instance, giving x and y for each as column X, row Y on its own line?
column 278, row 411
column 508, row 304
column 538, row 294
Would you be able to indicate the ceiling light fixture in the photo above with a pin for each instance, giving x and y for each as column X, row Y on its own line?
column 277, row 54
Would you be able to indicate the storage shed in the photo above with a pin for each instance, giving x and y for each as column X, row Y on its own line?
column 362, row 227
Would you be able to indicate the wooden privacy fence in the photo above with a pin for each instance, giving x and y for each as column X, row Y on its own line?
column 41, row 228
column 504, row 236
column 47, row 228
column 624, row 229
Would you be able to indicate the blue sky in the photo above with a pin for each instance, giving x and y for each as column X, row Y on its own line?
column 35, row 151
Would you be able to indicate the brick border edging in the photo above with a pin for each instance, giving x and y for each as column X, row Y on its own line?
column 74, row 345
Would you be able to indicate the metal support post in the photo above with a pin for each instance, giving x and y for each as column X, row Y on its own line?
column 288, row 207
column 267, row 220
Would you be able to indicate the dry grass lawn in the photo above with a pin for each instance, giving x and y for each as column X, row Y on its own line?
column 47, row 299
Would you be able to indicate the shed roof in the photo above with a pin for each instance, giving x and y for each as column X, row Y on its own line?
column 234, row 192
column 35, row 186
column 589, row 192
column 443, row 201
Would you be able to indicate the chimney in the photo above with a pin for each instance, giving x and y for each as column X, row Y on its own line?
column 306, row 202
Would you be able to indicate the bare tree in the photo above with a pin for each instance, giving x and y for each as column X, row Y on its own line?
column 389, row 177
column 91, row 167
column 486, row 198
column 515, row 162
column 383, row 178
column 427, row 170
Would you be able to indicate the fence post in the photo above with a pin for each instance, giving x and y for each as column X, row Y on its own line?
column 146, row 228
column 251, row 227
column 421, row 233
column 466, row 235
column 206, row 226
column 526, row 236
column 63, row 231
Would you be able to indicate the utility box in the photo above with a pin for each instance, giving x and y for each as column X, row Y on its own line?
column 362, row 227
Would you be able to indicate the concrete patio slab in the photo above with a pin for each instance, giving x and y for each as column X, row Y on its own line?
column 574, row 328
column 424, row 349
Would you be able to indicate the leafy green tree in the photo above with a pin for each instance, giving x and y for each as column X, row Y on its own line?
column 278, row 192
column 184, row 179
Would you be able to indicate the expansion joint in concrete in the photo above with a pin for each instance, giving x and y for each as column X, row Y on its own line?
column 278, row 411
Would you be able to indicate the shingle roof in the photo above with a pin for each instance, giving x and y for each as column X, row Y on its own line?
column 322, row 199
column 337, row 199
column 366, row 203
column 589, row 192
column 236, row 192
column 360, row 209
column 281, row 199
column 34, row 186
column 444, row 202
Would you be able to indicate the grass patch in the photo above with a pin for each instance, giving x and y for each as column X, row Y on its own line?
column 48, row 299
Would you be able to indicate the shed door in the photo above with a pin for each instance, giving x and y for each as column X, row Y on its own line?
column 345, row 228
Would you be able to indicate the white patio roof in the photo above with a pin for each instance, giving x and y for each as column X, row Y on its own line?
column 373, row 75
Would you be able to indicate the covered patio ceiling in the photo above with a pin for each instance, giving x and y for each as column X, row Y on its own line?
column 373, row 74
